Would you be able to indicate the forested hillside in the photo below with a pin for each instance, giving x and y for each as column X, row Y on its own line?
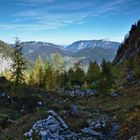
column 128, row 55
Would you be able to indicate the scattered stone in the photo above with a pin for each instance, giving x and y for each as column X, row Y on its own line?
column 114, row 94
column 91, row 132
column 74, row 110
column 39, row 103
column 76, row 87
column 133, row 138
column 91, row 92
column 107, row 129
column 79, row 92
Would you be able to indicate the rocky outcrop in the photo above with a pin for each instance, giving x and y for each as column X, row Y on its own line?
column 54, row 128
column 102, row 128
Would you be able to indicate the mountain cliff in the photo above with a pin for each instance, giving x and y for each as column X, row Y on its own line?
column 130, row 47
column 128, row 56
column 5, row 56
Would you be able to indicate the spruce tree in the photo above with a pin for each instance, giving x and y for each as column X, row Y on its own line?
column 64, row 80
column 19, row 65
column 31, row 81
column 58, row 63
column 93, row 72
column 71, row 77
column 50, row 78
column 79, row 75
column 45, row 72
column 106, row 77
column 38, row 72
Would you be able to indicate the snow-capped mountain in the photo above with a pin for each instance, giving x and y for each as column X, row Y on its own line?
column 86, row 44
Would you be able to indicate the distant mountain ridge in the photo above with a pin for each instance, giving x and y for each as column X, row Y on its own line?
column 32, row 49
column 91, row 50
column 85, row 51
column 85, row 44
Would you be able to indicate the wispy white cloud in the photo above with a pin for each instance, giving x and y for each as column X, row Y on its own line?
column 41, row 1
column 58, row 15
column 33, row 3
column 111, row 6
column 42, row 21
column 38, row 1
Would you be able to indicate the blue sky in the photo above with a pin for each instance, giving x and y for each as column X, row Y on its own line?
column 65, row 21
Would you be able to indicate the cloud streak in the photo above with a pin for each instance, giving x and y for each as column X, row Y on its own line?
column 57, row 14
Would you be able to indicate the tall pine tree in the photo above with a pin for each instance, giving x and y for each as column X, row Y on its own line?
column 18, row 66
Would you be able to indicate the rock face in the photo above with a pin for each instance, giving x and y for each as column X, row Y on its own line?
column 6, row 62
column 5, row 56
